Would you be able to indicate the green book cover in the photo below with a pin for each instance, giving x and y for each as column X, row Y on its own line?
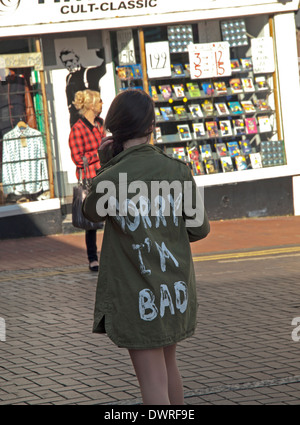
column 193, row 89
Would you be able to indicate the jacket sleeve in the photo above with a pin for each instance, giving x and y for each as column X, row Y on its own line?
column 76, row 146
column 194, row 213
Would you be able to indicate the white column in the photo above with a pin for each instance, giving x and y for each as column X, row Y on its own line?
column 287, row 58
column 296, row 194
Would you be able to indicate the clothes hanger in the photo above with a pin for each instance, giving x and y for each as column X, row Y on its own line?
column 22, row 125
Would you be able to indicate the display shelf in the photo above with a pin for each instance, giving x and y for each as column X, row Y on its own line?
column 215, row 112
column 176, row 138
column 234, row 177
column 219, row 96
column 189, row 117
column 200, row 115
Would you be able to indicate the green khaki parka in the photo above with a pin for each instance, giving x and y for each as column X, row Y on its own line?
column 146, row 291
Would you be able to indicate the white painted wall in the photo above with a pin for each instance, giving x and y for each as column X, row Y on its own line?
column 287, row 60
column 296, row 193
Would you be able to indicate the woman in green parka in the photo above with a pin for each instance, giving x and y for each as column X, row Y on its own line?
column 146, row 291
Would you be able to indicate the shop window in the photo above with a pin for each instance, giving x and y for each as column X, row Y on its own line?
column 216, row 124
column 24, row 173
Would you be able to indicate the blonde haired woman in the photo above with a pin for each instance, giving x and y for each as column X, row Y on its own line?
column 84, row 140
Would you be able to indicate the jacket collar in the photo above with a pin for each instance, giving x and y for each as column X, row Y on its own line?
column 89, row 124
column 141, row 148
column 145, row 148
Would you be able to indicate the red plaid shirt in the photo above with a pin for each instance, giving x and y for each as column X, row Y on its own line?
column 84, row 140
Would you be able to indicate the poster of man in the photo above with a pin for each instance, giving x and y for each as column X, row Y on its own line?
column 85, row 68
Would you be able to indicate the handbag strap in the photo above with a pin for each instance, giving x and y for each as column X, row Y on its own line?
column 86, row 181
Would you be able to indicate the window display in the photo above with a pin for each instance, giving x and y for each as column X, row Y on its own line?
column 219, row 114
column 222, row 123
column 23, row 158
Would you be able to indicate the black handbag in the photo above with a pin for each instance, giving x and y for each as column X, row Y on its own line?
column 79, row 194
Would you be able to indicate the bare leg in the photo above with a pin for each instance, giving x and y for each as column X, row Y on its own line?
column 151, row 372
column 175, row 388
column 158, row 375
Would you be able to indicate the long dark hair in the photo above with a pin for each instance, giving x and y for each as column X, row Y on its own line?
column 131, row 115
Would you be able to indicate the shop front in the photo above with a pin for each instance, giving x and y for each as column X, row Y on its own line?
column 28, row 205
column 223, row 76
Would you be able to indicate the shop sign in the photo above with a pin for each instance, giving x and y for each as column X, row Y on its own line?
column 29, row 12
column 23, row 60
column 209, row 60
column 32, row 12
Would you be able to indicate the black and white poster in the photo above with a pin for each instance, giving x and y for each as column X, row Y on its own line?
column 75, row 64
column 84, row 69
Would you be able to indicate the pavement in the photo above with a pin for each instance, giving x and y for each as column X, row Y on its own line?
column 245, row 349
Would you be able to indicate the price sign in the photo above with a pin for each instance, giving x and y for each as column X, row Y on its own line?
column 125, row 47
column 221, row 59
column 209, row 60
column 201, row 60
column 262, row 54
column 158, row 59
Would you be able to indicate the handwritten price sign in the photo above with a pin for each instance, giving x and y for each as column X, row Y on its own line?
column 158, row 59
column 125, row 47
column 209, row 60
column 262, row 55
column 201, row 61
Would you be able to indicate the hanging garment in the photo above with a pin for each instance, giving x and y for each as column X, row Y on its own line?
column 37, row 101
column 15, row 103
column 24, row 165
